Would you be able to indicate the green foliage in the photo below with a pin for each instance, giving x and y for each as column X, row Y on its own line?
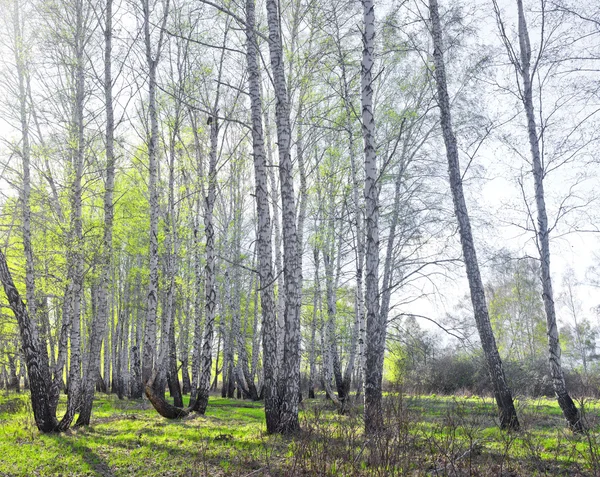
column 517, row 311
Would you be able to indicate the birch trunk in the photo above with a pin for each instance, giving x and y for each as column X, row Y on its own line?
column 172, row 246
column 21, row 67
column 37, row 370
column 100, row 319
column 209, row 272
column 198, row 279
column 567, row 405
column 357, row 343
column 508, row 415
column 312, row 359
column 152, row 63
column 75, row 256
column 264, row 232
column 375, row 327
column 289, row 382
column 280, row 296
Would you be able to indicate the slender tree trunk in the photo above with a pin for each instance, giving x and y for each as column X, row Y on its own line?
column 357, row 344
column 312, row 360
column 198, row 287
column 289, row 382
column 210, row 272
column 264, row 232
column 75, row 255
column 508, row 415
column 107, row 349
column 567, row 405
column 21, row 67
column 152, row 63
column 185, row 353
column 100, row 319
column 280, row 295
column 63, row 339
column 375, row 327
column 228, row 388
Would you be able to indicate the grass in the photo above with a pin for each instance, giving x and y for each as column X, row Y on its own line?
column 425, row 435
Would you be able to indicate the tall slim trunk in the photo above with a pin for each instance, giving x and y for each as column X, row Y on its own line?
column 280, row 297
column 567, row 405
column 312, row 359
column 375, row 327
column 226, row 331
column 185, row 350
column 63, row 340
column 198, row 315
column 100, row 319
column 136, row 385
column 152, row 63
column 389, row 262
column 357, row 342
column 75, row 255
column 172, row 251
column 107, row 350
column 508, row 415
column 245, row 377
column 235, row 303
column 21, row 67
column 333, row 358
column 289, row 381
column 264, row 232
column 209, row 273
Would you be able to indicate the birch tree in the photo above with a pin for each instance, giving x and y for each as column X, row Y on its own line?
column 289, row 381
column 526, row 71
column 375, row 326
column 100, row 320
column 502, row 393
column 152, row 56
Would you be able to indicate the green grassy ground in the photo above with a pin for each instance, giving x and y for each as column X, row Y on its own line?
column 425, row 435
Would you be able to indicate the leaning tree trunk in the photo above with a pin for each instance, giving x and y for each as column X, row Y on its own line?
column 37, row 369
column 21, row 70
column 289, row 382
column 567, row 405
column 508, row 415
column 264, row 232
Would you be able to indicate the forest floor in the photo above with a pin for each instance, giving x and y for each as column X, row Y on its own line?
column 425, row 435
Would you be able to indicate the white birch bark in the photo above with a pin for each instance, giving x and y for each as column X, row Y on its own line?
column 152, row 60
column 101, row 317
column 508, row 415
column 289, row 382
column 264, row 232
column 39, row 374
column 75, row 256
column 567, row 405
column 375, row 328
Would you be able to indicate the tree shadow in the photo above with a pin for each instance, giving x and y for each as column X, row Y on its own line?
column 98, row 464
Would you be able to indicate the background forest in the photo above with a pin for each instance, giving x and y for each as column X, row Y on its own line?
column 278, row 200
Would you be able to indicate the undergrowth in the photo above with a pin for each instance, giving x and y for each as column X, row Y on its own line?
column 423, row 435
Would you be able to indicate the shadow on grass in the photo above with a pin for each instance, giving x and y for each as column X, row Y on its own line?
column 98, row 464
